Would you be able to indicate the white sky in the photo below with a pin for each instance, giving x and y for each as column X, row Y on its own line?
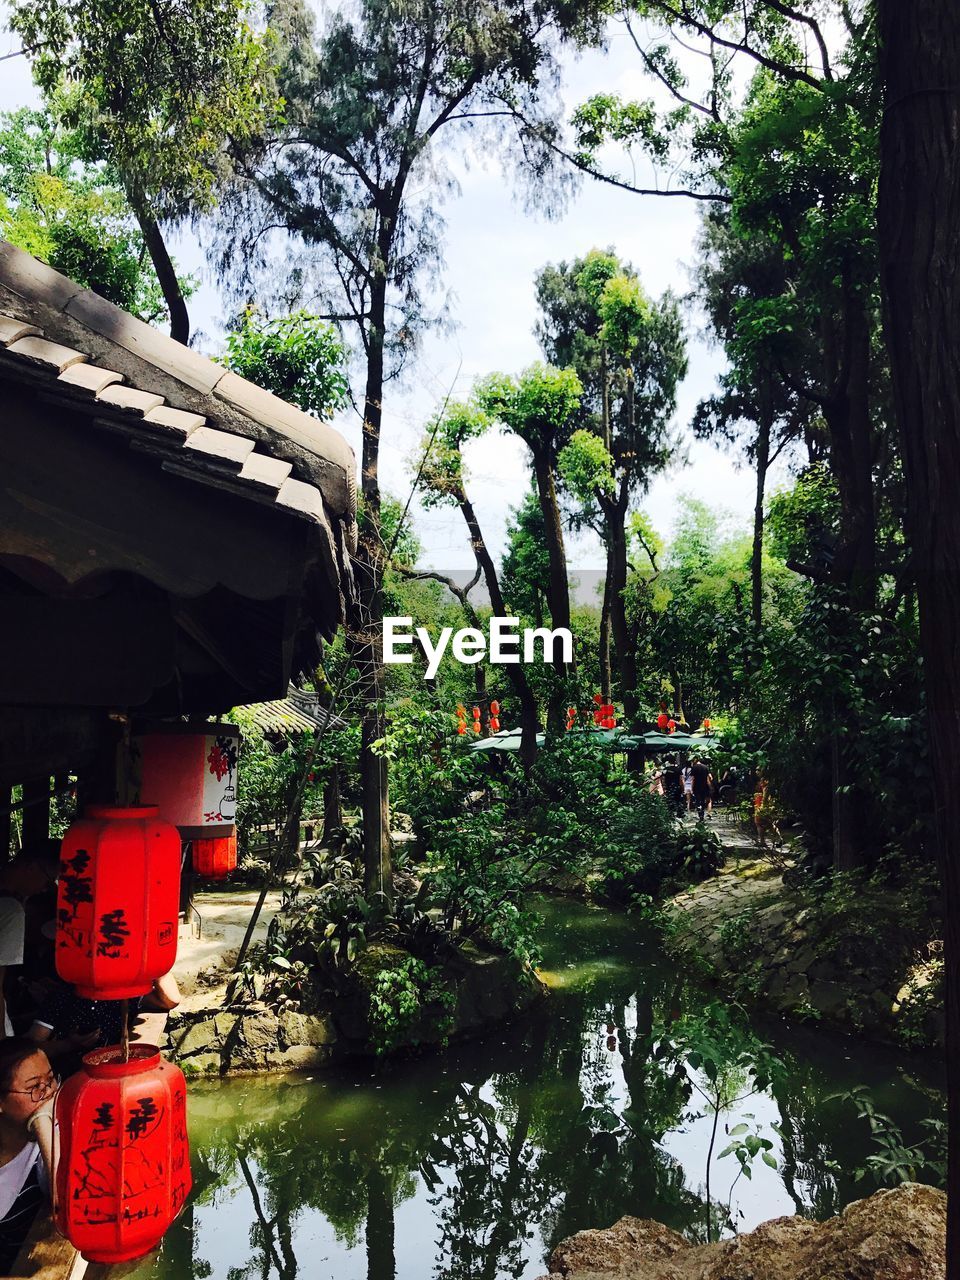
column 493, row 250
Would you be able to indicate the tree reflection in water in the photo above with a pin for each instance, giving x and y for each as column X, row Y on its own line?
column 470, row 1165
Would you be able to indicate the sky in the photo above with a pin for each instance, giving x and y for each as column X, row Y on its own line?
column 493, row 247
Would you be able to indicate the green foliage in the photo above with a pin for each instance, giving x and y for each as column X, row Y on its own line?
column 297, row 357
column 399, row 999
column 158, row 91
column 586, row 467
column 537, row 405
column 73, row 214
column 898, row 1161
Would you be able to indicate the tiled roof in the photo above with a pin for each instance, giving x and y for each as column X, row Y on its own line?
column 197, row 418
column 299, row 712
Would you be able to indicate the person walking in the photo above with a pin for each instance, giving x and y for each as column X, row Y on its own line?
column 688, row 785
column 700, row 786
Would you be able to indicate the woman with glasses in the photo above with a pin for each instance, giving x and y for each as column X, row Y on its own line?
column 27, row 1089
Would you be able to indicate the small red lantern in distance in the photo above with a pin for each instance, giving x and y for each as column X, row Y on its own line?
column 494, row 724
column 123, row 1162
column 662, row 721
column 598, row 699
column 215, row 858
column 671, row 725
column 495, row 708
column 706, row 725
column 118, row 902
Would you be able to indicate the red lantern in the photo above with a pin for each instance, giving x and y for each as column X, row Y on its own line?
column 476, row 713
column 597, row 716
column 122, row 1159
column 215, row 858
column 494, row 724
column 706, row 725
column 598, row 699
column 190, row 773
column 671, row 725
column 118, row 902
column 462, row 727
column 461, row 711
column 662, row 721
column 494, row 708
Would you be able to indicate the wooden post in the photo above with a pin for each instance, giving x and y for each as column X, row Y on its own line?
column 36, row 813
column 6, row 797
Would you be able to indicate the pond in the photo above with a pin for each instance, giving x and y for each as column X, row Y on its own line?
column 471, row 1164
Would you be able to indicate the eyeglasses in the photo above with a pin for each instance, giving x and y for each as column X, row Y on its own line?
column 41, row 1090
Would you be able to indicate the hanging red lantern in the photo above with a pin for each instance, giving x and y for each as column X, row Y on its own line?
column 216, row 857
column 571, row 713
column 462, row 727
column 461, row 711
column 476, row 713
column 118, row 902
column 671, row 725
column 706, row 725
column 190, row 772
column 662, row 721
column 597, row 716
column 598, row 699
column 122, row 1158
column 494, row 724
column 494, row 708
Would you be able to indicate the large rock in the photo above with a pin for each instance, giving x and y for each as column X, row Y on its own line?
column 894, row 1235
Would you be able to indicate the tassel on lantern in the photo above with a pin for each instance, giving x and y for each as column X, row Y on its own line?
column 122, row 1158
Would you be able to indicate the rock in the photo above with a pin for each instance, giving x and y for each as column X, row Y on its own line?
column 608, row 1252
column 899, row 1234
column 259, row 1030
column 199, row 1038
column 298, row 1029
column 305, row 1057
column 828, row 997
column 202, row 1064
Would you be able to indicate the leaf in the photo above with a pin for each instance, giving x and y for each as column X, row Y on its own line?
column 767, row 1158
column 738, row 1129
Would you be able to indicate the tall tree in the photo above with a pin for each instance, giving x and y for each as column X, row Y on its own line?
column 157, row 87
column 629, row 353
column 737, row 276
column 356, row 174
column 919, row 218
column 538, row 406
column 441, row 473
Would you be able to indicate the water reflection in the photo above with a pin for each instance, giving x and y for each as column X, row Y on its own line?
column 472, row 1164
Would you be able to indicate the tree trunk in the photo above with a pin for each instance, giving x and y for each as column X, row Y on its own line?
column 756, row 558
column 381, row 1226
column 529, row 721
column 163, row 266
column 606, row 678
column 623, row 641
column 558, row 590
column 920, row 271
column 332, row 806
column 368, row 623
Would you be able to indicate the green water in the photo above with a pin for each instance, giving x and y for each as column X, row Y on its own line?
column 472, row 1164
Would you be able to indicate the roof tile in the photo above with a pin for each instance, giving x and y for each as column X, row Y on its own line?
column 89, row 377
column 11, row 330
column 220, row 448
column 177, row 423
column 131, row 399
column 51, row 354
